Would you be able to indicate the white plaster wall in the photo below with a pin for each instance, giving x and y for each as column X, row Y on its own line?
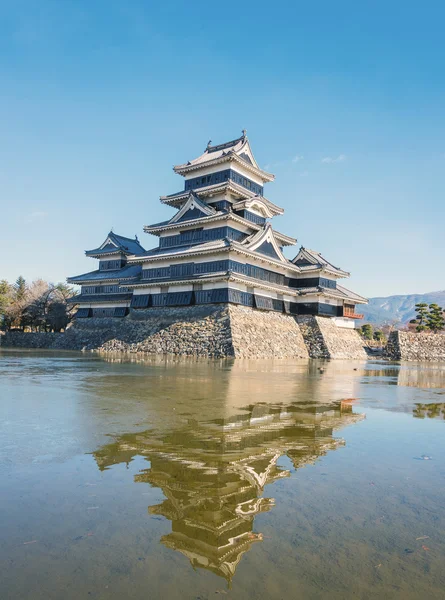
column 332, row 301
column 214, row 286
column 219, row 196
column 140, row 291
column 267, row 293
column 307, row 275
column 180, row 288
column 304, row 299
column 234, row 285
column 344, row 323
column 119, row 256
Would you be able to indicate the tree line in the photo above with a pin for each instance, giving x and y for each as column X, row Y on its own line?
column 368, row 332
column 429, row 317
column 35, row 306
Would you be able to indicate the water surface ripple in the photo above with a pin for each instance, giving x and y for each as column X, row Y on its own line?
column 155, row 478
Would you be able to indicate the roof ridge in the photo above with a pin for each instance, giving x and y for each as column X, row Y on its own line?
column 311, row 251
column 225, row 145
column 135, row 239
column 320, row 255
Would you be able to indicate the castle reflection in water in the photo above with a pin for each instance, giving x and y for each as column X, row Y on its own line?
column 213, row 464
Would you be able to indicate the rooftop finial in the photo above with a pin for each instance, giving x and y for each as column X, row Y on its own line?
column 136, row 237
column 209, row 143
column 244, row 132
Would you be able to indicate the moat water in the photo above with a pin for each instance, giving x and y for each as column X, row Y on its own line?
column 163, row 479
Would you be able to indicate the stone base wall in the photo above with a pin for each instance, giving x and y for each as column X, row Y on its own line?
column 219, row 330
column 191, row 330
column 325, row 339
column 261, row 334
column 200, row 331
column 32, row 340
column 404, row 345
column 313, row 337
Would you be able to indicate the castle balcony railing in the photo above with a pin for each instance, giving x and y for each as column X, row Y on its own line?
column 351, row 314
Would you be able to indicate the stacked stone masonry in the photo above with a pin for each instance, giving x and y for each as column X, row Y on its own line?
column 325, row 340
column 403, row 345
column 208, row 331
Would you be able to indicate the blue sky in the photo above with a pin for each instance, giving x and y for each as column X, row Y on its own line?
column 343, row 101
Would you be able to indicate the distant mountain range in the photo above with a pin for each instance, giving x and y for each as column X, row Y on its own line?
column 397, row 309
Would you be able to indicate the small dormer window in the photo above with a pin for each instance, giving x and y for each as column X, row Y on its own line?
column 109, row 265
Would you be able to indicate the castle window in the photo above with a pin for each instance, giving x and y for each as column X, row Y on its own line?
column 219, row 176
column 140, row 301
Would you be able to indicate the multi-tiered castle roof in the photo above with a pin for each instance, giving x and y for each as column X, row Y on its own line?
column 218, row 247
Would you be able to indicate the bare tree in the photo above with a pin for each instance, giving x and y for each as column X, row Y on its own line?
column 40, row 306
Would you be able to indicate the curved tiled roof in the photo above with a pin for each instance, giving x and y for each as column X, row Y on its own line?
column 88, row 298
column 127, row 272
column 238, row 150
column 338, row 292
column 309, row 260
column 115, row 243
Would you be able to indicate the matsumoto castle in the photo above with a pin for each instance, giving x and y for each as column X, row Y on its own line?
column 218, row 247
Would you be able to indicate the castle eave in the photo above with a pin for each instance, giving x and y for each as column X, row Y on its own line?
column 157, row 229
column 221, row 246
column 338, row 273
column 100, row 298
column 230, row 157
column 340, row 293
column 210, row 190
column 211, row 278
column 215, row 278
column 126, row 273
column 106, row 253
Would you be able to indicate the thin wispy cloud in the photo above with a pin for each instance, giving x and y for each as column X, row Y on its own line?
column 328, row 160
column 283, row 163
column 36, row 215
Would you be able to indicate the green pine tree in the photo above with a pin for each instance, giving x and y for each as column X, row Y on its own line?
column 366, row 331
column 5, row 299
column 20, row 288
column 435, row 318
column 379, row 336
column 421, row 319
